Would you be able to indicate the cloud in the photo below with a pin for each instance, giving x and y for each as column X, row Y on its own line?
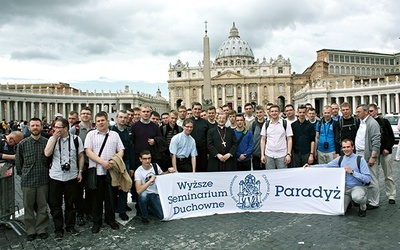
column 135, row 41
column 33, row 55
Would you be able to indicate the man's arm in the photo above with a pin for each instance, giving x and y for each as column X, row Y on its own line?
column 193, row 159
column 173, row 160
column 142, row 187
column 51, row 144
column 94, row 157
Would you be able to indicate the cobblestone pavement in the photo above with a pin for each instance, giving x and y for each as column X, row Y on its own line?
column 378, row 230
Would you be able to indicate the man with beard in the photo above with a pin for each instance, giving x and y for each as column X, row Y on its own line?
column 31, row 165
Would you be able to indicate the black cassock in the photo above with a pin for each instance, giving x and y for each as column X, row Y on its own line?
column 221, row 141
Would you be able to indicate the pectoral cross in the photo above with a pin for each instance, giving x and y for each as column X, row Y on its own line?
column 224, row 143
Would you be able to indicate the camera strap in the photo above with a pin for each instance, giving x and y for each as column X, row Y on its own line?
column 69, row 150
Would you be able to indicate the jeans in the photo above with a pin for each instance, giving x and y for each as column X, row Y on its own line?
column 151, row 201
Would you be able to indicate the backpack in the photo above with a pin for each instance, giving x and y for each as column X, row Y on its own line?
column 356, row 123
column 155, row 168
column 77, row 129
column 358, row 164
column 268, row 121
column 254, row 124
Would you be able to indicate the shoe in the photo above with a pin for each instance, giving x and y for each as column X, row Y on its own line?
column 81, row 221
column 31, row 237
column 123, row 216
column 362, row 213
column 396, row 159
column 73, row 231
column 43, row 236
column 145, row 221
column 391, row 201
column 370, row 207
column 89, row 217
column 59, row 236
column 96, row 228
column 113, row 225
column 128, row 208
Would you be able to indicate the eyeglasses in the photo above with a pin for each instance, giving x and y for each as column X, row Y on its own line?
column 371, row 110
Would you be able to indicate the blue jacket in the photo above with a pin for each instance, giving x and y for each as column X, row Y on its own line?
column 246, row 145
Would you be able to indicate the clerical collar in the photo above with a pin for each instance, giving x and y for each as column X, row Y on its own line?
column 221, row 127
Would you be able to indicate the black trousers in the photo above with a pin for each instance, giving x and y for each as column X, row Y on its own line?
column 201, row 160
column 103, row 194
column 58, row 190
column 83, row 205
column 257, row 165
column 243, row 165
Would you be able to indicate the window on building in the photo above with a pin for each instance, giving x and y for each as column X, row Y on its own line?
column 280, row 70
column 229, row 91
column 372, row 60
column 194, row 92
column 368, row 71
column 341, row 58
column 363, row 70
column 330, row 57
column 347, row 70
column 179, row 74
column 352, row 59
column 238, row 71
column 367, row 60
column 336, row 58
column 386, row 61
column 252, row 72
column 239, row 90
column 219, row 72
column 362, row 59
column 331, row 69
column 353, row 70
column 193, row 74
column 391, row 61
column 373, row 71
column 358, row 70
column 378, row 71
column 337, row 69
column 342, row 70
column 346, row 59
column 382, row 61
column 179, row 92
column 281, row 88
column 357, row 59
column 219, row 91
column 264, row 72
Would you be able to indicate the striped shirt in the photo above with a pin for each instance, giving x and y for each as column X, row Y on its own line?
column 31, row 163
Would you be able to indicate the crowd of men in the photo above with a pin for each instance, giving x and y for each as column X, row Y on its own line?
column 79, row 165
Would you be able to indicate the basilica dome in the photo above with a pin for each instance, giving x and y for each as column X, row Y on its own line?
column 234, row 47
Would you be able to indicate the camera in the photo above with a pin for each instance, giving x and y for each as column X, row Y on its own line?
column 326, row 145
column 65, row 167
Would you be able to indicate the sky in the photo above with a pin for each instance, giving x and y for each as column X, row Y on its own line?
column 107, row 44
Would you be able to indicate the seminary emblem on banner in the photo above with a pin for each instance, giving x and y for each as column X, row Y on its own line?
column 249, row 193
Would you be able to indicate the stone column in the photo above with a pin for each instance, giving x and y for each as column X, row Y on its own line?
column 235, row 102
column 16, row 114
column 353, row 104
column 48, row 115
column 223, row 94
column 24, row 111
column 32, row 109
column 388, row 109
column 396, row 101
column 8, row 112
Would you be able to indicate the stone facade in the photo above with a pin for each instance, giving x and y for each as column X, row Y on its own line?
column 236, row 78
column 353, row 76
column 37, row 100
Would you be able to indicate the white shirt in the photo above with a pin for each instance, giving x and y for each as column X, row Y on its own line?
column 276, row 138
column 67, row 156
column 144, row 176
column 360, row 137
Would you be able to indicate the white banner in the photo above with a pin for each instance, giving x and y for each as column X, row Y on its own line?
column 296, row 190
